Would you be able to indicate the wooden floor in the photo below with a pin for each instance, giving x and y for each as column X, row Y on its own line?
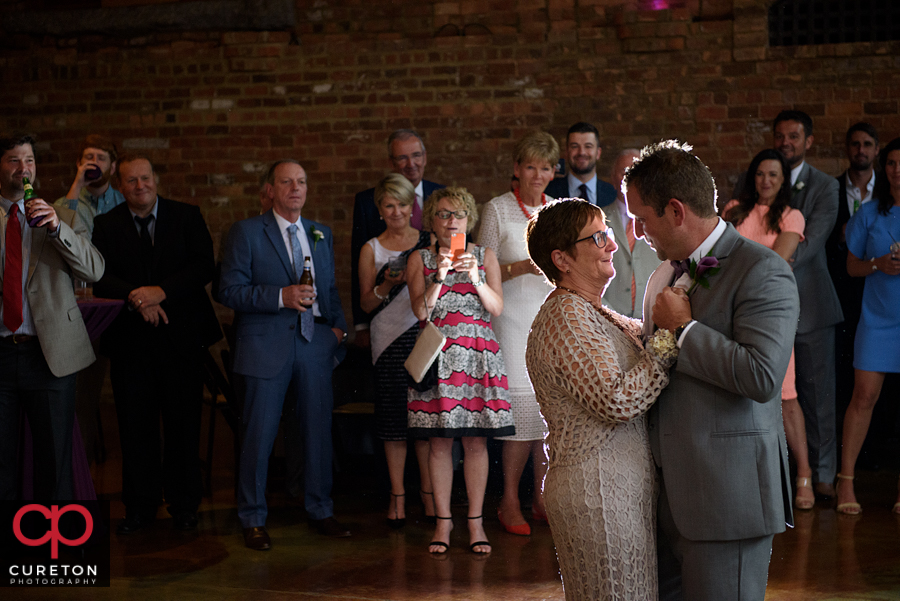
column 826, row 557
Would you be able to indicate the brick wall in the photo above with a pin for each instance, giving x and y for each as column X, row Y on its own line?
column 212, row 109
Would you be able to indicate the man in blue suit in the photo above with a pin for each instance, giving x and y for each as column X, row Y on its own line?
column 582, row 150
column 407, row 156
column 288, row 339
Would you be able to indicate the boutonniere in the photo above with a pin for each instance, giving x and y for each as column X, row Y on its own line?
column 316, row 236
column 699, row 272
column 797, row 187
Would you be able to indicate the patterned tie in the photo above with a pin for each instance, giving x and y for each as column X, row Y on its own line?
column 582, row 192
column 416, row 219
column 307, row 321
column 629, row 235
column 12, row 272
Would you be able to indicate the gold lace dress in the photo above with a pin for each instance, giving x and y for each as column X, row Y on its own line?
column 594, row 384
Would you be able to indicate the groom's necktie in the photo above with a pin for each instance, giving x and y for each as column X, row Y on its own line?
column 681, row 268
column 307, row 321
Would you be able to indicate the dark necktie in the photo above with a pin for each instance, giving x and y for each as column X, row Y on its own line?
column 582, row 192
column 146, row 241
column 12, row 272
column 681, row 267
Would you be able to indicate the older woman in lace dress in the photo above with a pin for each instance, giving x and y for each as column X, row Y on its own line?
column 594, row 382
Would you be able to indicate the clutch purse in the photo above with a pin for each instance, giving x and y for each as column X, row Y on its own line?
column 421, row 363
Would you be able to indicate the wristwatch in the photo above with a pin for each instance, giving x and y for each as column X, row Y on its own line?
column 680, row 330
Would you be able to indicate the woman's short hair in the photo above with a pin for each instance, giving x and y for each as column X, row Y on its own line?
column 397, row 187
column 537, row 146
column 556, row 226
column 461, row 199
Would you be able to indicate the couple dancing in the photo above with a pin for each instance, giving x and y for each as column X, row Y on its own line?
column 714, row 452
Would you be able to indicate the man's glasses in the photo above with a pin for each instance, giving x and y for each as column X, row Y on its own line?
column 404, row 158
column 447, row 214
column 600, row 238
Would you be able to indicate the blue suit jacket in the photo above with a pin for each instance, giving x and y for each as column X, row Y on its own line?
column 255, row 269
column 367, row 224
column 559, row 188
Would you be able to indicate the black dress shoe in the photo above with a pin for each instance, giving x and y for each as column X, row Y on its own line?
column 185, row 521
column 257, row 538
column 133, row 523
column 329, row 527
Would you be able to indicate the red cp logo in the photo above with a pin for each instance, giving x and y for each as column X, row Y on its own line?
column 53, row 534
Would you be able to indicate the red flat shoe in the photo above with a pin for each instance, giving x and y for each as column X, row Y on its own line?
column 538, row 516
column 519, row 529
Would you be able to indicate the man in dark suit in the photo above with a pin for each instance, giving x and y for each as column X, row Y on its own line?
column 716, row 431
column 855, row 187
column 815, row 195
column 289, row 339
column 159, row 260
column 582, row 153
column 43, row 341
column 407, row 156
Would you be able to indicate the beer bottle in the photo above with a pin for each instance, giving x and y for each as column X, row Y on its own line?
column 306, row 278
column 29, row 194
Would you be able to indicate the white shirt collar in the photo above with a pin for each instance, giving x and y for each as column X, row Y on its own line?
column 284, row 224
column 795, row 173
column 710, row 241
column 420, row 192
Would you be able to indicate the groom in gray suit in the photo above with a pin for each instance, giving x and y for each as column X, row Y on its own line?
column 716, row 432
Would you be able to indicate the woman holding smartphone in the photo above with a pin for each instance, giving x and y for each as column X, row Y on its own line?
column 460, row 291
column 394, row 327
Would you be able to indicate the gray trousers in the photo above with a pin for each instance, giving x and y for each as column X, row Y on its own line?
column 814, row 360
column 734, row 570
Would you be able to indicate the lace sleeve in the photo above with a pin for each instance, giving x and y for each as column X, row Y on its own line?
column 589, row 368
column 489, row 235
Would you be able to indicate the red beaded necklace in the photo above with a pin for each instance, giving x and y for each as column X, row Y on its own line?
column 522, row 204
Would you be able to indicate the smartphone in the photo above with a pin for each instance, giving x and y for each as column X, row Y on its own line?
column 457, row 244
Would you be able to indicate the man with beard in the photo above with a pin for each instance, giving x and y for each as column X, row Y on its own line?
column 815, row 195
column 582, row 153
column 855, row 187
column 89, row 196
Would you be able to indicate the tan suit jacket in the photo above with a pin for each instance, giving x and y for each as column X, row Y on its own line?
column 53, row 264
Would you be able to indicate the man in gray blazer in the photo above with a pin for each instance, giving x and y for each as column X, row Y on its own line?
column 814, row 194
column 633, row 264
column 43, row 341
column 716, row 431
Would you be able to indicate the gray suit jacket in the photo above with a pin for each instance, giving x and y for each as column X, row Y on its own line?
column 641, row 262
column 818, row 201
column 716, row 430
column 53, row 264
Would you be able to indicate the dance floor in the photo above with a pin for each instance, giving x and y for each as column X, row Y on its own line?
column 826, row 557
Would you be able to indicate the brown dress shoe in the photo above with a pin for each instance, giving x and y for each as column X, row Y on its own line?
column 257, row 538
column 330, row 527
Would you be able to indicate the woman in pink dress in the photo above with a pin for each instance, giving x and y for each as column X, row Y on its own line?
column 762, row 214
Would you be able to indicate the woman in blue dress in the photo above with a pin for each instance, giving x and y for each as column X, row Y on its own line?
column 873, row 242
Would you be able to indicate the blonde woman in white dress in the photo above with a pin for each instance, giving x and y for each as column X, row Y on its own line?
column 594, row 382
column 524, row 290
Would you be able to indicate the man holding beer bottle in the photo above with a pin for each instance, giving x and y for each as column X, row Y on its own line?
column 43, row 341
column 91, row 193
column 289, row 334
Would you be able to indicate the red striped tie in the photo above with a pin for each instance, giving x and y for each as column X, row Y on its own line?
column 12, row 272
